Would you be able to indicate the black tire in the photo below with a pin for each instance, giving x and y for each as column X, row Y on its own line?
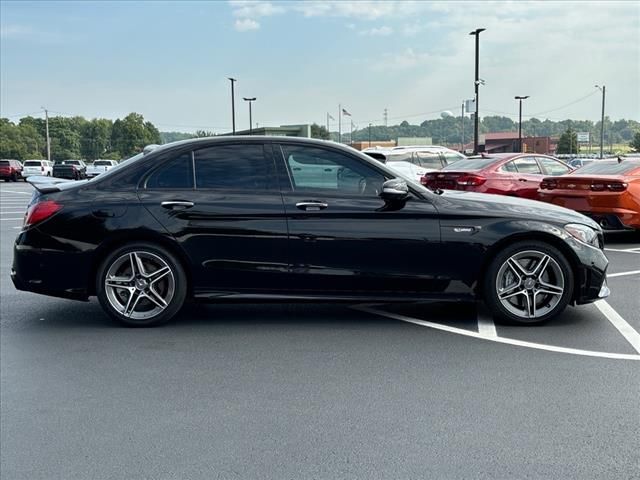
column 560, row 270
column 179, row 280
column 14, row 178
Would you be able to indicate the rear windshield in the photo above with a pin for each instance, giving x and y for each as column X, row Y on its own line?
column 102, row 162
column 32, row 163
column 378, row 156
column 608, row 168
column 68, row 162
column 470, row 164
column 4, row 163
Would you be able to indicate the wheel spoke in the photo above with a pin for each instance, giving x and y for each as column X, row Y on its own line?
column 156, row 298
column 510, row 291
column 137, row 268
column 517, row 268
column 158, row 274
column 132, row 302
column 540, row 268
column 550, row 289
column 530, row 304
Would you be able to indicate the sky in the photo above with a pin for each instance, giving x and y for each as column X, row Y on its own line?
column 170, row 60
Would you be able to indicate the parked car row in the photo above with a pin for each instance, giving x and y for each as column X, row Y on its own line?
column 14, row 170
column 606, row 190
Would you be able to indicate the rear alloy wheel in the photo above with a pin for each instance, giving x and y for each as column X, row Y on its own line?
column 528, row 283
column 141, row 285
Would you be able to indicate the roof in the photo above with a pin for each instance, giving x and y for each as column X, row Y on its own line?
column 500, row 135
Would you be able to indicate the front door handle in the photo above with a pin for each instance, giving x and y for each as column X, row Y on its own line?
column 176, row 204
column 312, row 205
column 523, row 180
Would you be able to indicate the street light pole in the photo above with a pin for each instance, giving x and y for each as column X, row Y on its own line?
column 462, row 130
column 233, row 104
column 46, row 120
column 519, row 98
column 476, row 33
column 250, row 100
column 603, row 90
column 369, row 135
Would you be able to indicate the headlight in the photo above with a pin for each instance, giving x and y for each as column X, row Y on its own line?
column 583, row 233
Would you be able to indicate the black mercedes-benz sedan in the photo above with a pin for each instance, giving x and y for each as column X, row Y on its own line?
column 277, row 218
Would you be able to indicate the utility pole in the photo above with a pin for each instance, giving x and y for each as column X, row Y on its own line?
column 386, row 117
column 351, row 132
column 476, row 33
column 339, row 123
column 233, row 104
column 519, row 98
column 46, row 122
column 462, row 130
column 250, row 100
column 369, row 135
column 603, row 90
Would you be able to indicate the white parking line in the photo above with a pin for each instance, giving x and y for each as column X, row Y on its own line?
column 16, row 218
column 622, row 274
column 508, row 341
column 486, row 325
column 620, row 323
column 630, row 250
column 9, row 192
column 6, row 213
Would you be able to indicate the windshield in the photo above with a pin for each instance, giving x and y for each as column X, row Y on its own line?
column 4, row 163
column 470, row 164
column 68, row 162
column 609, row 168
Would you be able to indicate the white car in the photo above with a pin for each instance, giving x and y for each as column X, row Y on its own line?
column 37, row 167
column 415, row 161
column 99, row 166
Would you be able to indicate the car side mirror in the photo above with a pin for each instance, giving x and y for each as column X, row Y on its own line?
column 394, row 190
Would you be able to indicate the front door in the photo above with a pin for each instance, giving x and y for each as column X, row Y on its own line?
column 222, row 204
column 343, row 238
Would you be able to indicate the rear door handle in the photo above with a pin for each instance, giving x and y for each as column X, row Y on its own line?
column 176, row 204
column 523, row 180
column 312, row 205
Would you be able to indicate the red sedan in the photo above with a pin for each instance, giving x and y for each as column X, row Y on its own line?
column 514, row 174
column 606, row 190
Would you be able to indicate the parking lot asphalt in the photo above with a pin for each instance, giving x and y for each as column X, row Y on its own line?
column 318, row 391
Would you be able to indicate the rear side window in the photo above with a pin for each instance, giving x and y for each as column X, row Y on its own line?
column 430, row 160
column 527, row 165
column 451, row 157
column 174, row 174
column 233, row 167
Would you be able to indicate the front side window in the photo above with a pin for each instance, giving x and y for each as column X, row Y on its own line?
column 176, row 173
column 527, row 165
column 552, row 167
column 233, row 167
column 313, row 168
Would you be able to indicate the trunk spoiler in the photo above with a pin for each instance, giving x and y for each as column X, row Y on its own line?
column 46, row 184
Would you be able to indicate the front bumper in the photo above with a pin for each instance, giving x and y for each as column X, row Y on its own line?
column 591, row 274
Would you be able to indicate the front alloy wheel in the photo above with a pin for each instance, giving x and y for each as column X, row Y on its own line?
column 528, row 283
column 141, row 285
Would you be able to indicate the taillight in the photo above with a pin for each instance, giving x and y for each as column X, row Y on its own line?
column 40, row 211
column 548, row 184
column 471, row 180
column 617, row 186
column 423, row 180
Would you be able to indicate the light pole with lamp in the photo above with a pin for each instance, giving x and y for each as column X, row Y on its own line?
column 250, row 100
column 520, row 98
column 476, row 83
column 603, row 89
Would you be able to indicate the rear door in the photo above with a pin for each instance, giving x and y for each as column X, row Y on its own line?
column 222, row 204
column 528, row 178
column 344, row 239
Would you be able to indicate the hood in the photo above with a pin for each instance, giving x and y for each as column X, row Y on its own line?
column 490, row 205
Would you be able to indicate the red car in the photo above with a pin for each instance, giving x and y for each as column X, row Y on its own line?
column 10, row 170
column 606, row 190
column 514, row 174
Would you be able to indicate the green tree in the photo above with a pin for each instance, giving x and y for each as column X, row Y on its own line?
column 568, row 142
column 131, row 134
column 318, row 131
column 95, row 138
column 202, row 134
column 635, row 142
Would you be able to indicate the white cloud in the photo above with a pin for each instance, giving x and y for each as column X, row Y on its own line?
column 246, row 24
column 378, row 31
column 15, row 31
column 255, row 9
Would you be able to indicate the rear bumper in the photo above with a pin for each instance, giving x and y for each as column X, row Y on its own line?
column 51, row 272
